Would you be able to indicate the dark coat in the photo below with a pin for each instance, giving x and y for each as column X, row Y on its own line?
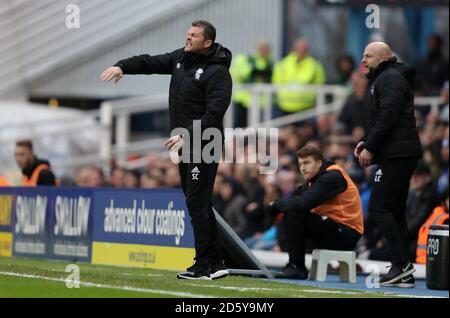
column 390, row 121
column 325, row 186
column 200, row 88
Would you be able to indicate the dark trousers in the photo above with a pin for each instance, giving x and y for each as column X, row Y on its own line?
column 387, row 205
column 198, row 188
column 325, row 233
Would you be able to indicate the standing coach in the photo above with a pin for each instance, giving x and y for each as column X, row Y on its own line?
column 200, row 89
column 391, row 142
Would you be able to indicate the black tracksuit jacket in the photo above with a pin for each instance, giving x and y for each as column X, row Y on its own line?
column 325, row 186
column 200, row 88
column 389, row 106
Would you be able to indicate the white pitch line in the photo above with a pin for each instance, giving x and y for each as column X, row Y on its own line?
column 410, row 296
column 126, row 288
column 243, row 289
column 139, row 275
column 366, row 292
column 324, row 291
column 330, row 291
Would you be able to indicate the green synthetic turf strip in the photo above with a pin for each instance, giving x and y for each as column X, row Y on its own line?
column 149, row 283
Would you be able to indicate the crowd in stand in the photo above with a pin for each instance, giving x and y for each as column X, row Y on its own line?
column 242, row 193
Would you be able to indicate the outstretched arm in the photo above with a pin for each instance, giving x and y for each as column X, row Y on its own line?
column 142, row 64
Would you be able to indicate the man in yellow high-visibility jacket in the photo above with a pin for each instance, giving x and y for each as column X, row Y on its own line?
column 247, row 69
column 297, row 68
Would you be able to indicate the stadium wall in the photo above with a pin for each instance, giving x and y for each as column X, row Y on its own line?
column 240, row 25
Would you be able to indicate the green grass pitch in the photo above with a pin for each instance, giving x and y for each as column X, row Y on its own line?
column 20, row 277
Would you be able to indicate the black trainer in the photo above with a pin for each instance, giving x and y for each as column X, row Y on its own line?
column 195, row 272
column 292, row 271
column 405, row 282
column 191, row 268
column 218, row 270
column 396, row 273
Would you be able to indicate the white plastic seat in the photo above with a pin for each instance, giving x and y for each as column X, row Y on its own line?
column 321, row 258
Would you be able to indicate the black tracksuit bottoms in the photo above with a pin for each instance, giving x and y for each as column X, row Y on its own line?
column 197, row 181
column 324, row 232
column 387, row 205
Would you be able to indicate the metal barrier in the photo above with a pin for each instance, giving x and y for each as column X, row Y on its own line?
column 124, row 108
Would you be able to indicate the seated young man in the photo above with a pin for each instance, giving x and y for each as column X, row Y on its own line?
column 326, row 209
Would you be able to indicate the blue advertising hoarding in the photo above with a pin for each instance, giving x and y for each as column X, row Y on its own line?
column 144, row 228
column 49, row 222
column 71, row 222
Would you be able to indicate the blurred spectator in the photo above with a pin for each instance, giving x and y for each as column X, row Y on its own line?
column 244, row 183
column 172, row 177
column 35, row 172
column 314, row 142
column 357, row 174
column 345, row 66
column 288, row 182
column 257, row 219
column 263, row 241
column 440, row 117
column 372, row 245
column 299, row 68
column 432, row 158
column 117, row 179
column 147, row 181
column 325, row 124
column 439, row 216
column 351, row 121
column 131, row 179
column 296, row 136
column 225, row 169
column 160, row 174
column 427, row 134
column 338, row 148
column 289, row 163
column 232, row 205
column 444, row 96
column 422, row 198
column 443, row 178
column 432, row 70
column 89, row 176
column 3, row 182
column 248, row 69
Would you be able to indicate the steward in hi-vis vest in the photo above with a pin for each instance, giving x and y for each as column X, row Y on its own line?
column 4, row 182
column 438, row 217
column 250, row 69
column 35, row 172
column 297, row 68
column 327, row 209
